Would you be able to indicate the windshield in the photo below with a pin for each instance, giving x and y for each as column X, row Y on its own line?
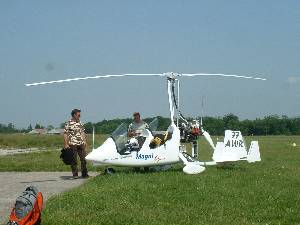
column 120, row 136
column 121, row 130
column 153, row 125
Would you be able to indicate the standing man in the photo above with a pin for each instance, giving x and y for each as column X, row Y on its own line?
column 75, row 140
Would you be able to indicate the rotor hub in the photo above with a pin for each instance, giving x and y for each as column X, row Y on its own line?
column 171, row 75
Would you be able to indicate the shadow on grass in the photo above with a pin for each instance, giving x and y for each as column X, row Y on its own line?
column 142, row 170
column 231, row 166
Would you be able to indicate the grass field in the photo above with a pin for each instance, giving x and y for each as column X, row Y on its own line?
column 47, row 160
column 262, row 193
column 51, row 142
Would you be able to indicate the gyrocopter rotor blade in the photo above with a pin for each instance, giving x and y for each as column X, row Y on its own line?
column 169, row 74
column 219, row 75
column 91, row 77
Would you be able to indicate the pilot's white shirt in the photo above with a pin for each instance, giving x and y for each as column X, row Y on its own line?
column 138, row 127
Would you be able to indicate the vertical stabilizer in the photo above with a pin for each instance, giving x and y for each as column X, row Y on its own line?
column 253, row 153
column 221, row 154
column 234, row 143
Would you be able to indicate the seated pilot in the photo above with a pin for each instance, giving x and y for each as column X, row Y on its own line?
column 135, row 129
column 137, row 126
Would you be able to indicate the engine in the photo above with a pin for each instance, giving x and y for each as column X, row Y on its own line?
column 189, row 131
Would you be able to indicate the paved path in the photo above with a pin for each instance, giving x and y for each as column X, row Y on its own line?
column 4, row 152
column 49, row 183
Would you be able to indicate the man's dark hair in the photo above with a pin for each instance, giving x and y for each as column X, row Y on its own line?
column 136, row 113
column 74, row 111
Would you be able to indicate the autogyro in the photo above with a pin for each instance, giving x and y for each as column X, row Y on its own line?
column 166, row 148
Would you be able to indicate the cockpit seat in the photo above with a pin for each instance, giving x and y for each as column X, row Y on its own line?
column 160, row 139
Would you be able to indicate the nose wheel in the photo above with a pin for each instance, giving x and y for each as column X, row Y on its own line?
column 109, row 171
column 191, row 164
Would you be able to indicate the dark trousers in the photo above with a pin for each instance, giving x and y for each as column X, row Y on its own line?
column 80, row 151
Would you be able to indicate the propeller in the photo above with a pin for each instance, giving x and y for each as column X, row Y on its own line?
column 169, row 74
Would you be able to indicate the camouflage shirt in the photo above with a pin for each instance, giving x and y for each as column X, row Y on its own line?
column 75, row 132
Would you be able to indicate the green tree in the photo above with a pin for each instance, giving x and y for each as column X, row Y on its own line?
column 50, row 127
column 38, row 126
column 88, row 128
column 29, row 128
column 231, row 122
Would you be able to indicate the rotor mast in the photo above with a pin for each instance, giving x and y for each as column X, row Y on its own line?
column 171, row 77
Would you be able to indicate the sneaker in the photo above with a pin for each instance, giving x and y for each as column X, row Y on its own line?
column 85, row 176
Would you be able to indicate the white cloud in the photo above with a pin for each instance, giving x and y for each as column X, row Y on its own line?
column 293, row 80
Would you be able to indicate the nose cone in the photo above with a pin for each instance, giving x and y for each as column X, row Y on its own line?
column 105, row 151
column 90, row 156
column 96, row 156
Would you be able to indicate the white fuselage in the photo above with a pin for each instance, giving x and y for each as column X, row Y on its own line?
column 167, row 153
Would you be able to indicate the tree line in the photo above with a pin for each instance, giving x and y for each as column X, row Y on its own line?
column 10, row 128
column 269, row 125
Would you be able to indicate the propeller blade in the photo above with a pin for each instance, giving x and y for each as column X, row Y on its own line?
column 220, row 75
column 91, row 77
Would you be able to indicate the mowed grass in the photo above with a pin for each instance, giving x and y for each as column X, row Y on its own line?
column 13, row 141
column 262, row 193
column 46, row 160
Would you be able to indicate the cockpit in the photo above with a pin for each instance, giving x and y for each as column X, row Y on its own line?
column 125, row 144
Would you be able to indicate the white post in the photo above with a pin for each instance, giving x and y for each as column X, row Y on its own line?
column 93, row 137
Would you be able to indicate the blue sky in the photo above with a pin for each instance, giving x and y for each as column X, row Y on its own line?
column 48, row 40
